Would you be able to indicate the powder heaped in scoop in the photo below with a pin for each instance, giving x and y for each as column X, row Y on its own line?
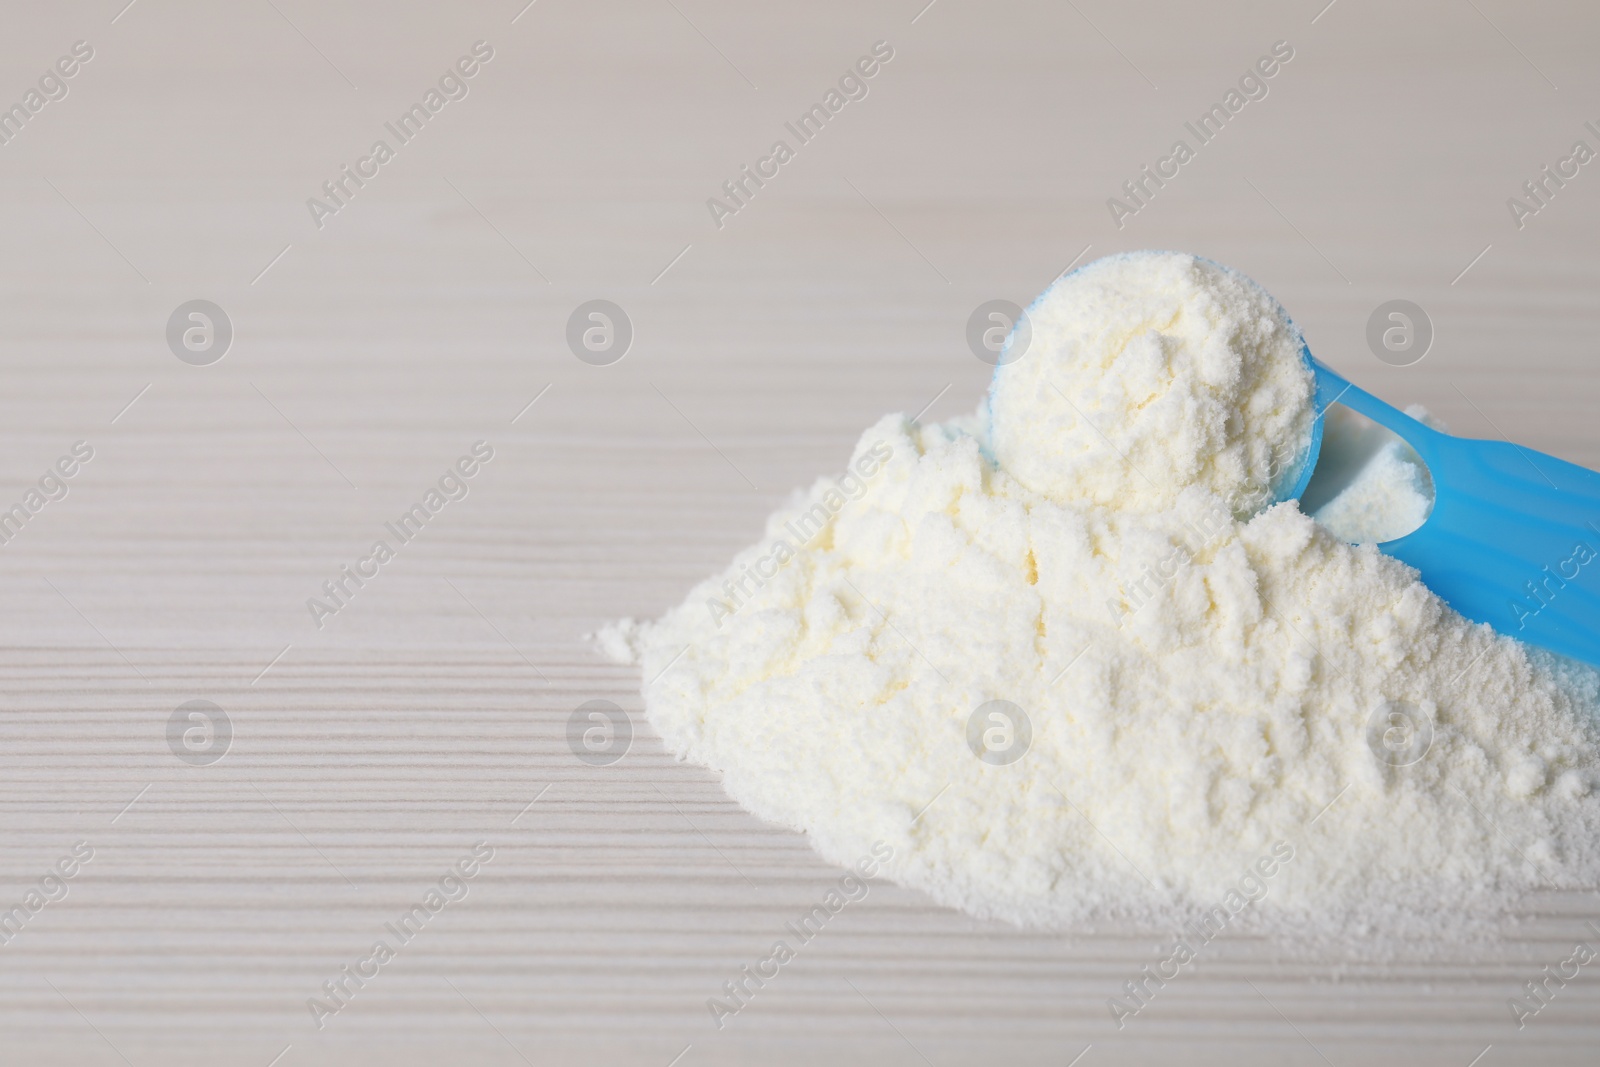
column 1150, row 372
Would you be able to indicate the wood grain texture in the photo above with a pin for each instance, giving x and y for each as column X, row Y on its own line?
column 431, row 713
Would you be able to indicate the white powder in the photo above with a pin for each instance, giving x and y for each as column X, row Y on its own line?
column 1198, row 688
column 1187, row 370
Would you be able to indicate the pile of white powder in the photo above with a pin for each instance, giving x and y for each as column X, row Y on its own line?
column 1199, row 681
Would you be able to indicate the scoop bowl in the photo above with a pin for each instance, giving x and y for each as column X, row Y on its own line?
column 1513, row 539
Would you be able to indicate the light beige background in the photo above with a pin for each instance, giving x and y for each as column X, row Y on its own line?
column 425, row 717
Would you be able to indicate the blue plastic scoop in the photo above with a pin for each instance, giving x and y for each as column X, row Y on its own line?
column 1513, row 539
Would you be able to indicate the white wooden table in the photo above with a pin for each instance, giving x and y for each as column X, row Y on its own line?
column 430, row 713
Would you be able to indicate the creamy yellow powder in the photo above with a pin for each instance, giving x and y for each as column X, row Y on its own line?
column 1180, row 689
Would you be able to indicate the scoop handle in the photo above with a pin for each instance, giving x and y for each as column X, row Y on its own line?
column 1513, row 539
